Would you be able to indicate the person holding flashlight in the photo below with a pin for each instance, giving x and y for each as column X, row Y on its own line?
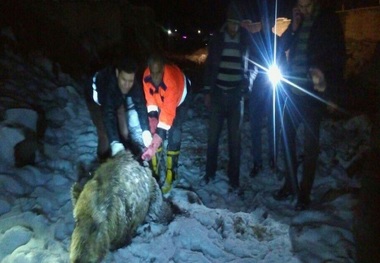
column 262, row 107
column 316, row 62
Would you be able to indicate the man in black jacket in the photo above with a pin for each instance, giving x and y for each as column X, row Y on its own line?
column 118, row 109
column 315, row 64
column 226, row 78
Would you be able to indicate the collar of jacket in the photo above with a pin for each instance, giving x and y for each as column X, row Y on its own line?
column 153, row 88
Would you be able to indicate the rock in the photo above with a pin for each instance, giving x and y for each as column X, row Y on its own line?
column 14, row 238
column 5, row 207
column 25, row 117
column 9, row 137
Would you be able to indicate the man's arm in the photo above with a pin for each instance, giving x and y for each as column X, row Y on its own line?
column 209, row 64
column 109, row 111
column 122, row 123
column 137, row 95
column 139, row 101
column 328, row 54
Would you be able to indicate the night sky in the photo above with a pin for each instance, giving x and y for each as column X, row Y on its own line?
column 210, row 14
column 186, row 14
column 204, row 14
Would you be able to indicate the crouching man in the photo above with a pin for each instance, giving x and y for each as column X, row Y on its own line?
column 166, row 91
column 117, row 108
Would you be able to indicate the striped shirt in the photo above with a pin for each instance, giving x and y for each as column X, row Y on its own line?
column 230, row 67
column 299, row 65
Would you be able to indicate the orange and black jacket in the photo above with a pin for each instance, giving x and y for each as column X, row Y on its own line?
column 166, row 97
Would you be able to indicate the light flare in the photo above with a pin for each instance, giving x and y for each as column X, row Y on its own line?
column 280, row 78
column 274, row 75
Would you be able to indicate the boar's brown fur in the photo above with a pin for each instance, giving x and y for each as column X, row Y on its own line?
column 121, row 196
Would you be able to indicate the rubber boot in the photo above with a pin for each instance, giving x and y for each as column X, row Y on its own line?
column 171, row 167
column 155, row 163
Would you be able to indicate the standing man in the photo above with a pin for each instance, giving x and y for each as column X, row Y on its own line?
column 316, row 62
column 166, row 91
column 226, row 79
column 261, row 105
column 117, row 108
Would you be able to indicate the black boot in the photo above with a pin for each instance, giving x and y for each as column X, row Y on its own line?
column 206, row 179
column 284, row 193
column 256, row 169
column 303, row 203
column 272, row 164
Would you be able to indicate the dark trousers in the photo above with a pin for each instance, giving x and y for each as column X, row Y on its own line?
column 262, row 105
column 175, row 131
column 301, row 110
column 229, row 106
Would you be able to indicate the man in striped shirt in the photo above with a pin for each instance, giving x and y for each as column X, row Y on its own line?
column 226, row 78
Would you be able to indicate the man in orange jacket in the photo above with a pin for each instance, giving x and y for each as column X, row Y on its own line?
column 166, row 91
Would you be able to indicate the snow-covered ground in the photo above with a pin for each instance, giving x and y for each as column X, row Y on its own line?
column 213, row 225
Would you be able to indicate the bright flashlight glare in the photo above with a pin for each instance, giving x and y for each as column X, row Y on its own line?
column 274, row 74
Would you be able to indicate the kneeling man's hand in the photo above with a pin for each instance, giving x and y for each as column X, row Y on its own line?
column 116, row 147
column 152, row 149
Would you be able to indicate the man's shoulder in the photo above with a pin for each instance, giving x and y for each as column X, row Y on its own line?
column 327, row 13
column 172, row 69
column 106, row 77
column 135, row 91
column 217, row 36
column 146, row 78
column 327, row 19
column 106, row 83
column 106, row 72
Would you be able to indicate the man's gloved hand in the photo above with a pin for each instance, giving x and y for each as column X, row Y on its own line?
column 147, row 138
column 152, row 149
column 116, row 147
column 153, row 122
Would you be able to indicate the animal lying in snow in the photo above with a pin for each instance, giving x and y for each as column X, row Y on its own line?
column 107, row 211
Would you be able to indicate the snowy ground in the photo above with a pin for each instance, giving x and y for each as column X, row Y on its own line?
column 213, row 226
